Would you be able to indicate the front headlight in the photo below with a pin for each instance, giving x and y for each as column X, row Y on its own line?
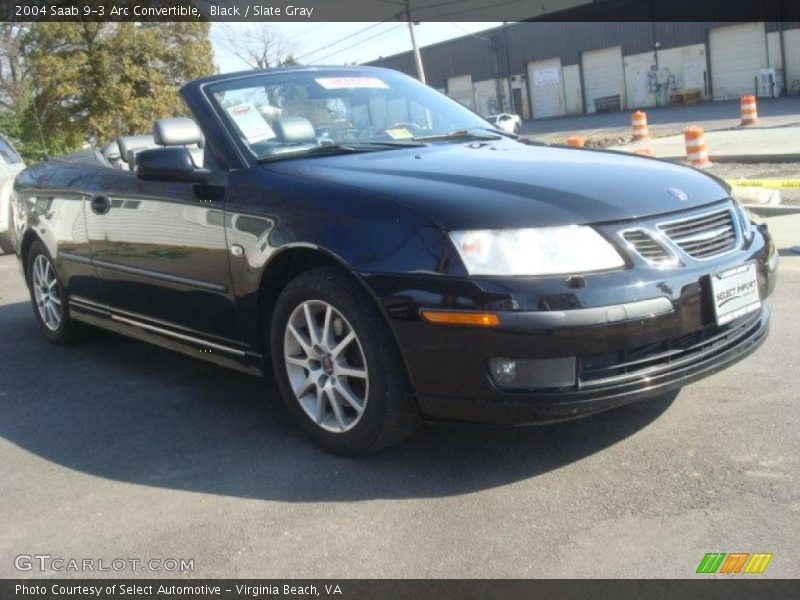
column 535, row 251
column 745, row 223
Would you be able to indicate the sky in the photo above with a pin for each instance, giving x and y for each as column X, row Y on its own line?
column 343, row 42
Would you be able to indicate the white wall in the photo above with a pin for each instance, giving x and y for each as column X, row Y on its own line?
column 573, row 94
column 774, row 49
column 486, row 100
column 638, row 70
column 791, row 47
column 460, row 88
column 689, row 62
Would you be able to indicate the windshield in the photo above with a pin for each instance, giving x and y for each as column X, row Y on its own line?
column 288, row 114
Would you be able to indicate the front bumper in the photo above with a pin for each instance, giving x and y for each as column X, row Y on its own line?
column 661, row 321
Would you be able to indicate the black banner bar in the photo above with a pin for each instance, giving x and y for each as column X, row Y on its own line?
column 394, row 10
column 730, row 587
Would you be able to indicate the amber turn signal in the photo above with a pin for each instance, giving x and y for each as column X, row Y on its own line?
column 461, row 318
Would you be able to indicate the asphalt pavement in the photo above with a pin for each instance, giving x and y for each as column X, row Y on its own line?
column 115, row 449
column 662, row 121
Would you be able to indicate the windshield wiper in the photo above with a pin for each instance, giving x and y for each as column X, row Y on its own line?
column 466, row 134
column 366, row 146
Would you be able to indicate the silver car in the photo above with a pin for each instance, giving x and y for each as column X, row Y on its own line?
column 10, row 165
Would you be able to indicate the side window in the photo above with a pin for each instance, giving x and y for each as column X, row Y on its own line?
column 7, row 152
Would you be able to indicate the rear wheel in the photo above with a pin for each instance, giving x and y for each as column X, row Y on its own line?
column 6, row 247
column 337, row 366
column 49, row 297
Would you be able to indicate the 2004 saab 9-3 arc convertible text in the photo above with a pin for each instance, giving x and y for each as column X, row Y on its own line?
column 391, row 257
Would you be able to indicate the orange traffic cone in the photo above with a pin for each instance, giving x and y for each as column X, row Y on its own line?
column 749, row 111
column 639, row 123
column 696, row 150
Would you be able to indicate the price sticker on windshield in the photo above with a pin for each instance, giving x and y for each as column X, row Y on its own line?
column 251, row 123
column 342, row 83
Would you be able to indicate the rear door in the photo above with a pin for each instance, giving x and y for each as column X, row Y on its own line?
column 161, row 254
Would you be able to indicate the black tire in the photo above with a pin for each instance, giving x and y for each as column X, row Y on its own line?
column 68, row 330
column 390, row 414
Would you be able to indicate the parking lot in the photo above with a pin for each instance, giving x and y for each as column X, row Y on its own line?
column 113, row 448
column 615, row 127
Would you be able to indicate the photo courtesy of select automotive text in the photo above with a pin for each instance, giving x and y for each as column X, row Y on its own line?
column 399, row 299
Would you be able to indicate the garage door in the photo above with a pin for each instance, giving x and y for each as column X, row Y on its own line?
column 737, row 53
column 547, row 87
column 604, row 79
column 460, row 88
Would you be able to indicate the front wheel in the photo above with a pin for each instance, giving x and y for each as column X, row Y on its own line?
column 49, row 297
column 337, row 366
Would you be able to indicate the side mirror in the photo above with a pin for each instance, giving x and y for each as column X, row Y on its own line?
column 169, row 164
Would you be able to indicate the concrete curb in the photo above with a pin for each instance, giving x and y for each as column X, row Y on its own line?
column 740, row 158
column 766, row 210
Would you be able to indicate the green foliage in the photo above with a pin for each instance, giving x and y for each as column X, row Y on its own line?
column 96, row 81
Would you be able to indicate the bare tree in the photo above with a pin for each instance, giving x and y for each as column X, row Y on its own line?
column 13, row 82
column 260, row 45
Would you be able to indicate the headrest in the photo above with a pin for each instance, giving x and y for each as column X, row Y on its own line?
column 130, row 142
column 177, row 131
column 111, row 150
column 294, row 130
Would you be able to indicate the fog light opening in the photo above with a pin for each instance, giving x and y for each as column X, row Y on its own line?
column 530, row 374
column 504, row 370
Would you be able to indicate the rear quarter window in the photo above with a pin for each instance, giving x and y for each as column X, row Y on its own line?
column 7, row 152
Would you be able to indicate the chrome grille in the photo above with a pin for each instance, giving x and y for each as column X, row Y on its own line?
column 642, row 243
column 704, row 236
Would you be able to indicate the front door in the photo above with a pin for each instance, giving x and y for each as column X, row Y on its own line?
column 161, row 253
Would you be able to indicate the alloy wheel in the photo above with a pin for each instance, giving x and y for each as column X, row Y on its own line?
column 326, row 366
column 46, row 293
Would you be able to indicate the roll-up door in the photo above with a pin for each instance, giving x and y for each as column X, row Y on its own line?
column 737, row 53
column 547, row 87
column 460, row 88
column 604, row 79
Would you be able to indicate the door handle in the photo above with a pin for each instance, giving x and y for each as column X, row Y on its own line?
column 100, row 205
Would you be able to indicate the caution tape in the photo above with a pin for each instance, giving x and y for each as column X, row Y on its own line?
column 769, row 184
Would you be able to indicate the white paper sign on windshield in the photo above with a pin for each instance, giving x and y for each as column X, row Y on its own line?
column 250, row 122
column 341, row 83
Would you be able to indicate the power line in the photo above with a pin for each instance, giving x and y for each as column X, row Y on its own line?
column 361, row 42
column 435, row 7
column 469, row 10
column 344, row 39
column 326, row 24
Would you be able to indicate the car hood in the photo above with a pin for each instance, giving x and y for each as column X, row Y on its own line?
column 509, row 184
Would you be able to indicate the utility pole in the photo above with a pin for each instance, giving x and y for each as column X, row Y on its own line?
column 417, row 56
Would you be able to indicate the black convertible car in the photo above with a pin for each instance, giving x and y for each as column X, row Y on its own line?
column 391, row 257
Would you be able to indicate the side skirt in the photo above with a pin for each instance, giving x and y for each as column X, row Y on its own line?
column 162, row 335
